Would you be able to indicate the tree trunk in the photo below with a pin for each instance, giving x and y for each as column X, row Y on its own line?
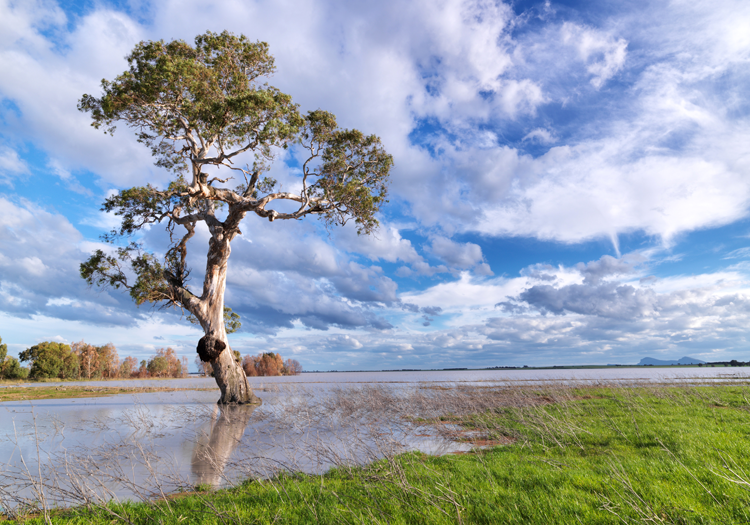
column 232, row 380
column 214, row 346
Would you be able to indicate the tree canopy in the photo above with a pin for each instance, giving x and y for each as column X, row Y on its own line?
column 199, row 107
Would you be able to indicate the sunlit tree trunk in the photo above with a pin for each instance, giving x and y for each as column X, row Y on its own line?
column 214, row 346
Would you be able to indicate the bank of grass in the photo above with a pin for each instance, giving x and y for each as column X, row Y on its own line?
column 76, row 392
column 27, row 381
column 572, row 455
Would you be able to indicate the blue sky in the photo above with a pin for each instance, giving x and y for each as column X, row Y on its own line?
column 571, row 181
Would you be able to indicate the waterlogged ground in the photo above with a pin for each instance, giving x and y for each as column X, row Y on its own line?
column 140, row 446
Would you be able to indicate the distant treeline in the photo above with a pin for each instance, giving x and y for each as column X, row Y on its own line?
column 51, row 360
column 263, row 364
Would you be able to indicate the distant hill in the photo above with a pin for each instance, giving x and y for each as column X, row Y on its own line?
column 658, row 362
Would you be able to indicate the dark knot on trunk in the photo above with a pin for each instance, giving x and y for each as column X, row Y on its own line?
column 209, row 348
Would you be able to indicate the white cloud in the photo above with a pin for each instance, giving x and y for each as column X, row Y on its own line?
column 540, row 135
column 344, row 341
column 385, row 244
column 603, row 54
column 11, row 165
column 40, row 274
column 57, row 68
column 460, row 255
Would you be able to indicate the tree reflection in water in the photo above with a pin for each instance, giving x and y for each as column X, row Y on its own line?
column 210, row 455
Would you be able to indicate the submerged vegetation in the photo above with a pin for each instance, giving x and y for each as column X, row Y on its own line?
column 541, row 454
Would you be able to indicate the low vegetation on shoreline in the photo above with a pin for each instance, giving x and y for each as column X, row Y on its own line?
column 543, row 454
column 22, row 393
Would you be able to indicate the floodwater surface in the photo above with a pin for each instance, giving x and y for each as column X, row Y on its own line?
column 609, row 374
column 142, row 445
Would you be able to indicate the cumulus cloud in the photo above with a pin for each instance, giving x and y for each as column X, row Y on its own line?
column 40, row 276
column 43, row 62
column 11, row 165
column 560, row 130
column 541, row 135
column 602, row 54
column 460, row 255
column 605, row 300
column 595, row 271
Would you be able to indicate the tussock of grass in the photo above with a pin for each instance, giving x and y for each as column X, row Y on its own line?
column 574, row 455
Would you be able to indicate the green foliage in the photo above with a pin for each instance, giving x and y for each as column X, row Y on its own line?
column 158, row 366
column 106, row 270
column 51, row 360
column 203, row 105
column 10, row 368
column 352, row 175
column 211, row 89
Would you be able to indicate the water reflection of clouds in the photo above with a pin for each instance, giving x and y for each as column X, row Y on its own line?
column 137, row 446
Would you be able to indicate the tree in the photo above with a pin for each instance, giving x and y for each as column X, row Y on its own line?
column 204, row 368
column 51, row 360
column 269, row 364
column 292, row 367
column 200, row 109
column 10, row 368
column 158, row 366
column 88, row 359
column 109, row 361
column 128, row 367
column 165, row 364
column 248, row 365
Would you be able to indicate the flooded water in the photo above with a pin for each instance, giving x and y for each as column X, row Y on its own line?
column 609, row 374
column 138, row 446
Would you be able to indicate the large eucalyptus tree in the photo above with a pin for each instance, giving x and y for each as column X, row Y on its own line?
column 206, row 113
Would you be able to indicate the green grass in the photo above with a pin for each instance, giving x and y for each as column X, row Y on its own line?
column 589, row 455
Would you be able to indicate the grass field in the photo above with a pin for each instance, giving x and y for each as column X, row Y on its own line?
column 551, row 454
